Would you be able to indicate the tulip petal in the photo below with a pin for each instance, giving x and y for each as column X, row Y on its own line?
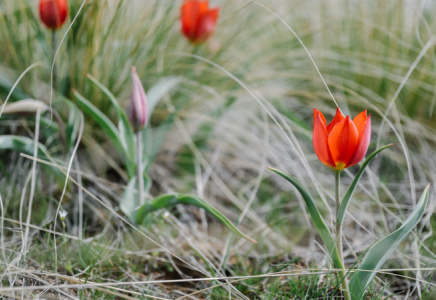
column 360, row 120
column 138, row 112
column 338, row 118
column 362, row 144
column 53, row 13
column 190, row 12
column 315, row 113
column 206, row 24
column 198, row 20
column 203, row 7
column 342, row 142
column 320, row 141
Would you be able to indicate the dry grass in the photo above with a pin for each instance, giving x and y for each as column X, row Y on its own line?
column 372, row 54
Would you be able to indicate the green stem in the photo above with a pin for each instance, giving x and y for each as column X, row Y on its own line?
column 342, row 275
column 53, row 52
column 139, row 168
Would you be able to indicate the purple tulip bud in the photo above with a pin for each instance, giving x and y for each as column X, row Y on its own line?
column 138, row 112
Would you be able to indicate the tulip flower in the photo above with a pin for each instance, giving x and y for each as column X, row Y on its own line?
column 198, row 20
column 138, row 112
column 53, row 13
column 138, row 116
column 342, row 143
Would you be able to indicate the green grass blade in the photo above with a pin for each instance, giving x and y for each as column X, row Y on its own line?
column 166, row 201
column 380, row 251
column 346, row 200
column 157, row 91
column 124, row 127
column 317, row 219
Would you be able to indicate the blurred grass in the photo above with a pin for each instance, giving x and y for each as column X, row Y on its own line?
column 372, row 49
column 363, row 49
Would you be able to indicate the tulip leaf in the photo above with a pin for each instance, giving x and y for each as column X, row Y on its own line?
column 97, row 116
column 317, row 219
column 73, row 123
column 106, row 125
column 6, row 84
column 21, row 144
column 24, row 107
column 157, row 91
column 26, row 145
column 168, row 200
column 379, row 252
column 129, row 201
column 124, row 127
column 346, row 200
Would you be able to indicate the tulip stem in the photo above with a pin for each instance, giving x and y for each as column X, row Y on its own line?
column 53, row 52
column 139, row 168
column 342, row 274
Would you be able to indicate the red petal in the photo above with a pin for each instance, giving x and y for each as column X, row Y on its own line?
column 203, row 7
column 315, row 113
column 53, row 13
column 360, row 120
column 362, row 144
column 206, row 25
column 189, row 17
column 338, row 118
column 319, row 140
column 342, row 142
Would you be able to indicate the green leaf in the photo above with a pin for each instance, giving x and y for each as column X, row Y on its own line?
column 124, row 126
column 157, row 91
column 152, row 140
column 129, row 200
column 166, row 201
column 26, row 145
column 380, row 251
column 106, row 124
column 21, row 144
column 317, row 219
column 73, row 123
column 6, row 84
column 346, row 200
column 98, row 117
column 25, row 107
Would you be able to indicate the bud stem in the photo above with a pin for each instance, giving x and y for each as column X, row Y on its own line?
column 342, row 274
column 139, row 168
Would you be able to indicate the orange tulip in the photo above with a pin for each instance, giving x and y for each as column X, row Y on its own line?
column 198, row 20
column 342, row 143
column 53, row 13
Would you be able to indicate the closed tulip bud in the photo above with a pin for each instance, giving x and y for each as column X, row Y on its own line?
column 53, row 13
column 342, row 143
column 198, row 20
column 138, row 112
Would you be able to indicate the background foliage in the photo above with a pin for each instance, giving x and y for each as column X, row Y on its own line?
column 244, row 102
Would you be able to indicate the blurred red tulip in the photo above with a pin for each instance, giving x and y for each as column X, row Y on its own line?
column 344, row 142
column 198, row 20
column 138, row 112
column 53, row 13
